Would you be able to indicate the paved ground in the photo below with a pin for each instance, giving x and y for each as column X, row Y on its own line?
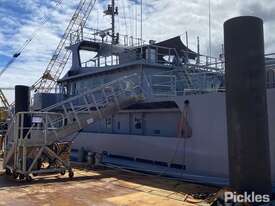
column 100, row 187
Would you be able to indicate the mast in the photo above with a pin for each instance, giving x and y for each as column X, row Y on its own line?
column 141, row 21
column 113, row 21
column 113, row 11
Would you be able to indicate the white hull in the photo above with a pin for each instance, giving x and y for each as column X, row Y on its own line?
column 206, row 151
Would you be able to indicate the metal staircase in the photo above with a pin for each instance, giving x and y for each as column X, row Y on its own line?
column 33, row 134
column 184, row 74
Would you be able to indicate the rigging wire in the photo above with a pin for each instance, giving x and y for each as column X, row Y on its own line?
column 97, row 19
column 130, row 8
column 136, row 22
column 124, row 17
column 210, row 29
column 118, row 22
column 141, row 21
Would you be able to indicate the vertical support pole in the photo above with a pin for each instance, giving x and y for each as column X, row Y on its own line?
column 46, row 126
column 141, row 22
column 186, row 39
column 23, row 122
column 210, row 31
column 113, row 21
column 22, row 99
column 198, row 50
column 22, row 104
column 24, row 154
column 247, row 121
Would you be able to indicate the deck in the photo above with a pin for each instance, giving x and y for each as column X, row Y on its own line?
column 103, row 187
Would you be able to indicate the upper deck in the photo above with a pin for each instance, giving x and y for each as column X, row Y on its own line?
column 94, row 54
column 169, row 67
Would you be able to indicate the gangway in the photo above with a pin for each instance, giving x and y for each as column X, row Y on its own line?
column 33, row 149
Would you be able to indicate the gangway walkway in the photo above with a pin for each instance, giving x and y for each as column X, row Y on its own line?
column 36, row 137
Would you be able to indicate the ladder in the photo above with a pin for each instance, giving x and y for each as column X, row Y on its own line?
column 184, row 74
column 61, row 55
column 36, row 132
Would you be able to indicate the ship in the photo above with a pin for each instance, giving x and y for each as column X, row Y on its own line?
column 179, row 130
column 174, row 122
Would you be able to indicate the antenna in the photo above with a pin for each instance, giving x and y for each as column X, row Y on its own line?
column 198, row 50
column 187, row 41
column 141, row 21
column 210, row 40
column 136, row 21
column 113, row 11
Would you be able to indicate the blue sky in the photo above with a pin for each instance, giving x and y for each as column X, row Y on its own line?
column 161, row 19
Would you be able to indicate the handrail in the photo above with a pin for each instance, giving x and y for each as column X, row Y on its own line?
column 88, row 92
column 45, row 120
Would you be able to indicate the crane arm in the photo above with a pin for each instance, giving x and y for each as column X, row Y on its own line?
column 61, row 55
column 4, row 100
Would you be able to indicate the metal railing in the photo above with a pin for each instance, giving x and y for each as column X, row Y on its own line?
column 103, row 36
column 78, row 111
column 69, row 116
column 174, row 83
column 94, row 104
column 38, row 131
column 35, row 127
column 161, row 55
column 163, row 85
column 270, row 61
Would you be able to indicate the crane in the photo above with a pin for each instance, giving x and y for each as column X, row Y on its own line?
column 3, row 117
column 3, row 100
column 61, row 55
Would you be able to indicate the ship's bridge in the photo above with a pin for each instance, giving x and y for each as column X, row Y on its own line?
column 96, row 60
column 94, row 48
column 169, row 66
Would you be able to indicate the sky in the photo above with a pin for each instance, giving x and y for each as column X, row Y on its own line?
column 162, row 19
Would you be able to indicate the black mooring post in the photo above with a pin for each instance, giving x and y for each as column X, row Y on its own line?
column 22, row 104
column 247, row 120
column 22, row 98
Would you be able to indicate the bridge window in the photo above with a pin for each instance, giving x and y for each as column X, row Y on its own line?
column 87, row 58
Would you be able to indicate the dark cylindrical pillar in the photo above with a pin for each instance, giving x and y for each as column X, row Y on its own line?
column 22, row 104
column 22, row 98
column 247, row 121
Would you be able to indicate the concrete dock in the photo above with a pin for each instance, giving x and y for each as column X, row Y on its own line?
column 103, row 187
